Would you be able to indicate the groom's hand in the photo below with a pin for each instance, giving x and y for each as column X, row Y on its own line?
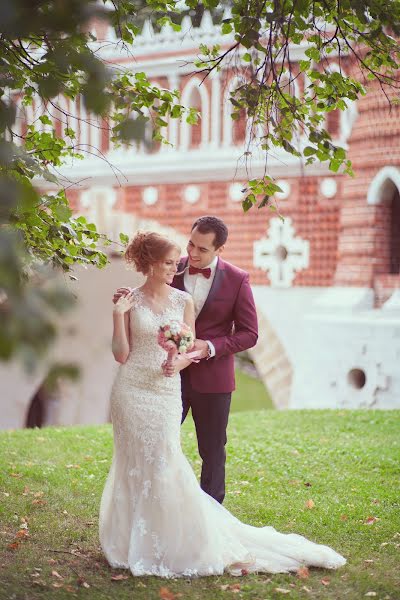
column 124, row 291
column 202, row 347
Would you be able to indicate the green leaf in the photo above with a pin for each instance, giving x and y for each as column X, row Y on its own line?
column 62, row 212
column 339, row 153
column 264, row 202
column 132, row 129
column 334, row 165
column 69, row 132
column 248, row 202
column 309, row 151
column 313, row 53
column 45, row 120
column 192, row 117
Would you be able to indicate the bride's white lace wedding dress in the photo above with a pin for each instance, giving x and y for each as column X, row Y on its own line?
column 154, row 517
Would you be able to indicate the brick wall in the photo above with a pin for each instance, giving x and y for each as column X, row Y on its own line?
column 366, row 236
column 314, row 218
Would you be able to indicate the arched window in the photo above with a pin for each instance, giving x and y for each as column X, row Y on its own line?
column 19, row 125
column 196, row 95
column 332, row 123
column 394, row 238
column 234, row 130
column 239, row 128
column 84, row 124
column 147, row 144
column 44, row 404
column 339, row 123
column 385, row 191
column 195, row 137
column 36, row 415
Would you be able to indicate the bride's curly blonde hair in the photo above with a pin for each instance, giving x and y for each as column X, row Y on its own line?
column 148, row 248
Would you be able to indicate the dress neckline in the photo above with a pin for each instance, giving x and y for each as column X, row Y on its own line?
column 144, row 305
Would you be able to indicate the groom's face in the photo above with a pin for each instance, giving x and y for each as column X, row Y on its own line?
column 201, row 249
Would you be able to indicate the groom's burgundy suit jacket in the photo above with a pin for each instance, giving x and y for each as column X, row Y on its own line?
column 228, row 319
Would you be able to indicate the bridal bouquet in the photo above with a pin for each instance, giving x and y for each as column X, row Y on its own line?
column 176, row 337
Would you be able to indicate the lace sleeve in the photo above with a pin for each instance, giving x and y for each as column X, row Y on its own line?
column 137, row 297
column 180, row 298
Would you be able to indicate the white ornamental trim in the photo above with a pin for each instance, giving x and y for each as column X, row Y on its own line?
column 150, row 196
column 236, row 193
column 192, row 194
column 281, row 254
column 286, row 188
column 328, row 187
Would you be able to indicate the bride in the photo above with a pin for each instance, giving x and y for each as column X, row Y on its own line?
column 154, row 517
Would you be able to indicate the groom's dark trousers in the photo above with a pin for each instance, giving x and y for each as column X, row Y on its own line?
column 210, row 414
column 228, row 320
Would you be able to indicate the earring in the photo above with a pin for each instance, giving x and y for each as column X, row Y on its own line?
column 151, row 271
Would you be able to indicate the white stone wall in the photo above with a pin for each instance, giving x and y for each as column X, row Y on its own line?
column 84, row 339
column 349, row 361
column 343, row 353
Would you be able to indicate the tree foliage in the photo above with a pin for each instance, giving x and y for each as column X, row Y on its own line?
column 359, row 38
column 46, row 51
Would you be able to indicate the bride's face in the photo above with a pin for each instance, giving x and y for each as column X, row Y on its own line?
column 165, row 270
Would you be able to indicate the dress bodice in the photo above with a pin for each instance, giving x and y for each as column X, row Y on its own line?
column 143, row 365
column 145, row 323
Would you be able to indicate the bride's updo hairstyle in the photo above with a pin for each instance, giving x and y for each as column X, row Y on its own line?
column 148, row 248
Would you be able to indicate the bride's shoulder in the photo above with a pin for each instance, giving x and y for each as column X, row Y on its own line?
column 136, row 291
column 181, row 296
column 137, row 296
column 180, row 293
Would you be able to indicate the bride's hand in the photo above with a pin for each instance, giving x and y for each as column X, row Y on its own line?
column 120, row 293
column 172, row 368
column 124, row 304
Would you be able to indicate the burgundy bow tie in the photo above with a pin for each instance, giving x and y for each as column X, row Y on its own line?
column 205, row 272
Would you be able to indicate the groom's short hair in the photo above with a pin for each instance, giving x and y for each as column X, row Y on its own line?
column 209, row 224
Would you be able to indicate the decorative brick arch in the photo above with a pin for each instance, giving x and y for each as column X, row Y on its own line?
column 384, row 197
column 381, row 187
column 272, row 362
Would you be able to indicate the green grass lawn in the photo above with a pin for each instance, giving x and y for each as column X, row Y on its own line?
column 346, row 462
column 250, row 394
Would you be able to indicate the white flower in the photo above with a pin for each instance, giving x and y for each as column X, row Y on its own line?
column 175, row 327
column 167, row 333
column 182, row 348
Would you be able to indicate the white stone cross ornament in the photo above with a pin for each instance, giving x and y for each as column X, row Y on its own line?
column 281, row 254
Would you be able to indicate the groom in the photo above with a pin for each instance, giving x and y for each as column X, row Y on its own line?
column 226, row 323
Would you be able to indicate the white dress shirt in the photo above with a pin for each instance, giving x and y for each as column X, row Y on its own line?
column 199, row 287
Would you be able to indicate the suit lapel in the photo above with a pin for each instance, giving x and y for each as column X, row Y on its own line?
column 179, row 282
column 216, row 284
